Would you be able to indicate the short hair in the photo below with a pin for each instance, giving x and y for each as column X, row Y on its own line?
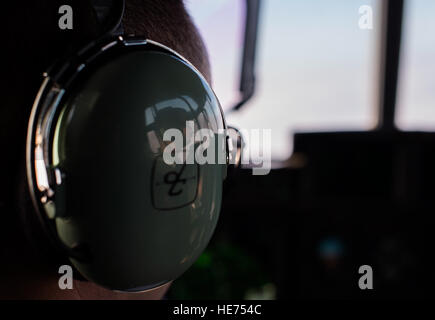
column 168, row 22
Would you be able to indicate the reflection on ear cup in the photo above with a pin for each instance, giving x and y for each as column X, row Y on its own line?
column 36, row 239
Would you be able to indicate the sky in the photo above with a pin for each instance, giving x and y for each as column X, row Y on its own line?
column 416, row 98
column 317, row 70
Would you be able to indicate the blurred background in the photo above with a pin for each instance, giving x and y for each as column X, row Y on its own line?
column 343, row 192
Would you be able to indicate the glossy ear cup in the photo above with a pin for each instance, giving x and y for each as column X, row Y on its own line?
column 126, row 219
column 36, row 238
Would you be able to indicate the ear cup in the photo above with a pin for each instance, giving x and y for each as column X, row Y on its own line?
column 127, row 219
column 36, row 238
column 30, row 224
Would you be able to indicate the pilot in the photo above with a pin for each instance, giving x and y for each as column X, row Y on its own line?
column 32, row 40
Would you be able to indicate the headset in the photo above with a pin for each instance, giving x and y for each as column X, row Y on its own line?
column 102, row 192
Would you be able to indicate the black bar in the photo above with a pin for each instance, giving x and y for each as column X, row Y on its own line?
column 390, row 55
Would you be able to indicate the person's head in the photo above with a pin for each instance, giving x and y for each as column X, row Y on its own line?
column 32, row 42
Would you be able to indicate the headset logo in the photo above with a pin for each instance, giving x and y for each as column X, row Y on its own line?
column 175, row 185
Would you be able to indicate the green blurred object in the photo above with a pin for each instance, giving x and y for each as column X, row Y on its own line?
column 223, row 271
